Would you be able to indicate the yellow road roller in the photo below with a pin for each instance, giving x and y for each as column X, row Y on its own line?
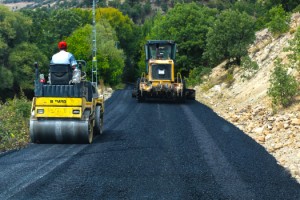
column 67, row 108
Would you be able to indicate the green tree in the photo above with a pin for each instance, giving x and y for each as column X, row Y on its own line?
column 110, row 59
column 230, row 37
column 51, row 26
column 279, row 20
column 14, row 28
column 101, row 3
column 64, row 22
column 3, row 48
column 128, row 35
column 255, row 9
column 40, row 32
column 187, row 25
column 220, row 4
column 6, row 77
column 134, row 10
column 114, row 3
column 147, row 8
column 21, row 60
column 288, row 5
column 164, row 7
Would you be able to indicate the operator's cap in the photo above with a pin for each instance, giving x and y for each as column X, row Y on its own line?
column 62, row 45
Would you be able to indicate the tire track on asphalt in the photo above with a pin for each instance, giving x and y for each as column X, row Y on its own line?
column 116, row 104
column 119, row 109
column 41, row 171
column 225, row 175
column 17, row 166
column 110, row 101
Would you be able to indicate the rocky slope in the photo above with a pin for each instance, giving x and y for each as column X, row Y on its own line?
column 244, row 102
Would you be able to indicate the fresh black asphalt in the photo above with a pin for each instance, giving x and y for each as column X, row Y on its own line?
column 150, row 150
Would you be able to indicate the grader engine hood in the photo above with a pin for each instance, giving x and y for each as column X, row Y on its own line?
column 161, row 70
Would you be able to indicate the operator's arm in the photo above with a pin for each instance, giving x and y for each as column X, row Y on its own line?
column 73, row 61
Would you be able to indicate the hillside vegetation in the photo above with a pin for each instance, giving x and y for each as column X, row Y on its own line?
column 207, row 33
column 245, row 99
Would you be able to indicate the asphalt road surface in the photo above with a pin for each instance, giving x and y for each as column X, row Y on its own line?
column 153, row 150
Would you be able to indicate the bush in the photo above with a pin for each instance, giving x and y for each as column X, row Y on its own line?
column 250, row 67
column 283, row 86
column 196, row 74
column 229, row 78
column 14, row 127
column 297, row 9
column 295, row 48
column 279, row 20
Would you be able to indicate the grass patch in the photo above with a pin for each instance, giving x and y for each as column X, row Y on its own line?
column 196, row 74
column 14, row 123
column 249, row 67
column 207, row 86
column 120, row 86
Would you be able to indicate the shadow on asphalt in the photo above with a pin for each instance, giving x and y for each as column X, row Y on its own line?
column 109, row 136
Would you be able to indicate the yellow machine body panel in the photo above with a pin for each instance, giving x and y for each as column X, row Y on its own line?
column 155, row 81
column 62, row 107
column 58, row 112
column 160, row 82
column 58, row 101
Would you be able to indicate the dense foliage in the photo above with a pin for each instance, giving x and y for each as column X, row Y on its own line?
column 279, row 20
column 14, row 30
column 187, row 25
column 110, row 59
column 128, row 37
column 206, row 33
column 230, row 37
column 32, row 36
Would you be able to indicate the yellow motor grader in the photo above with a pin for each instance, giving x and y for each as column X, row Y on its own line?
column 66, row 109
column 159, row 81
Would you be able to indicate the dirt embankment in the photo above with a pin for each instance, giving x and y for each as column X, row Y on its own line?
column 244, row 102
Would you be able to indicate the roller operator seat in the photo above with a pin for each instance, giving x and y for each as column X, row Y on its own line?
column 60, row 74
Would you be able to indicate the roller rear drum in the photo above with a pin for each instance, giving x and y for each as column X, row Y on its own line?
column 61, row 131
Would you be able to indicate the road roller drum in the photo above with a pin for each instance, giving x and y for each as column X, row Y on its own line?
column 61, row 131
